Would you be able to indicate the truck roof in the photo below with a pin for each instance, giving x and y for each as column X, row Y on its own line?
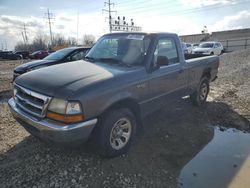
column 142, row 33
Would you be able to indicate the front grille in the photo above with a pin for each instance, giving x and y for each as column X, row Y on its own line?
column 31, row 102
column 199, row 52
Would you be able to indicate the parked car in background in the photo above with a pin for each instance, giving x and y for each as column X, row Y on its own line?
column 25, row 54
column 125, row 76
column 39, row 54
column 189, row 47
column 184, row 48
column 10, row 55
column 195, row 45
column 209, row 48
column 60, row 56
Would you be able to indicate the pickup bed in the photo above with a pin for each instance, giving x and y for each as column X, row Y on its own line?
column 125, row 77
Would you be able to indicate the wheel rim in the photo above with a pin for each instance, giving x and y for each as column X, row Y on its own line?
column 203, row 91
column 120, row 133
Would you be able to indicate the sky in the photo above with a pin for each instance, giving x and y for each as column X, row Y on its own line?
column 178, row 16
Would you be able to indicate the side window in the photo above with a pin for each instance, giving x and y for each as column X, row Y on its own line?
column 166, row 52
column 77, row 56
column 216, row 45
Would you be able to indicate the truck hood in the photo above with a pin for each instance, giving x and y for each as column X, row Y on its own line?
column 30, row 65
column 63, row 80
column 202, row 49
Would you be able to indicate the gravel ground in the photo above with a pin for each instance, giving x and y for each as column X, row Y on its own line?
column 170, row 139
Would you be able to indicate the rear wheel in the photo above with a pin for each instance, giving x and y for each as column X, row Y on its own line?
column 212, row 53
column 199, row 97
column 115, row 133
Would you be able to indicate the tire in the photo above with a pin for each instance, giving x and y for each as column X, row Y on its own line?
column 199, row 97
column 109, row 137
column 212, row 53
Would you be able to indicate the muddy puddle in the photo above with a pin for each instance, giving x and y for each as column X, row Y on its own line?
column 223, row 162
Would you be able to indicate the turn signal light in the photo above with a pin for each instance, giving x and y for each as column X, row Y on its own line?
column 65, row 118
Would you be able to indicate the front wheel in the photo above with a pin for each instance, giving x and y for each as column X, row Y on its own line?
column 115, row 133
column 199, row 97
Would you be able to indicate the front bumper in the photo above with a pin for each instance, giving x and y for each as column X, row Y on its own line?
column 50, row 130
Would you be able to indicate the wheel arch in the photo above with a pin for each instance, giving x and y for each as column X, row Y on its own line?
column 129, row 103
column 206, row 73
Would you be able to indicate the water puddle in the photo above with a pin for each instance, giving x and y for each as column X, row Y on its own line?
column 224, row 162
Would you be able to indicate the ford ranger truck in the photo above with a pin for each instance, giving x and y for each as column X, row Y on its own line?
column 124, row 77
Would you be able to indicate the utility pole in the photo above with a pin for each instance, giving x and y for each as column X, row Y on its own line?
column 109, row 12
column 24, row 41
column 49, row 17
column 6, row 45
column 77, row 28
column 25, row 33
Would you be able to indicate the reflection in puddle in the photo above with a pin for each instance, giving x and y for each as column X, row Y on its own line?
column 224, row 162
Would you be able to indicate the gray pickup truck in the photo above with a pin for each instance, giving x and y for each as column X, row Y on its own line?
column 124, row 77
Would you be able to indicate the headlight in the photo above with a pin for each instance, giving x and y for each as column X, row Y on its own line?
column 73, row 108
column 58, row 106
column 65, row 111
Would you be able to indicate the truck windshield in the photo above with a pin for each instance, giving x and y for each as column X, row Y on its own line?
column 206, row 45
column 59, row 54
column 129, row 49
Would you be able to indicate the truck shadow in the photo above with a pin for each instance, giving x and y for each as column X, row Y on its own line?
column 5, row 95
column 171, row 138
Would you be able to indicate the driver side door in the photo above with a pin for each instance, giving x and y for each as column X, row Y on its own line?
column 167, row 81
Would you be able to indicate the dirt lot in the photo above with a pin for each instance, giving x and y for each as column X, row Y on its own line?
column 171, row 138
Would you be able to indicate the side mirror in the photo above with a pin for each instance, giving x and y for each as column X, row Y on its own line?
column 162, row 61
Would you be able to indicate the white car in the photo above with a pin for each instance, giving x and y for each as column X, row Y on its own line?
column 209, row 48
column 189, row 47
column 195, row 45
column 186, row 47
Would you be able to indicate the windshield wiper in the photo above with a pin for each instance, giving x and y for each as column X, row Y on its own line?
column 114, row 61
column 109, row 59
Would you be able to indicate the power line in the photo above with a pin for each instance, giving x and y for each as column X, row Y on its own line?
column 133, row 2
column 109, row 12
column 186, row 11
column 151, row 6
